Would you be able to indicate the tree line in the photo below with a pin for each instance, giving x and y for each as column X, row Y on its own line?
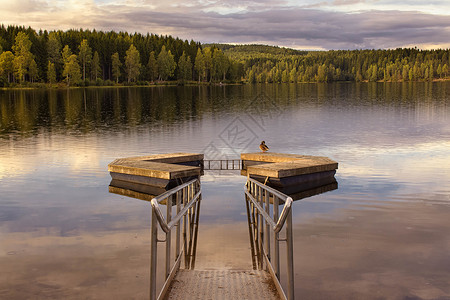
column 280, row 65
column 85, row 57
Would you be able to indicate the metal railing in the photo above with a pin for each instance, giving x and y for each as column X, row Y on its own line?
column 186, row 198
column 222, row 164
column 265, row 224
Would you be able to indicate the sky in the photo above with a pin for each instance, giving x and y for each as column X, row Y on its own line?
column 306, row 24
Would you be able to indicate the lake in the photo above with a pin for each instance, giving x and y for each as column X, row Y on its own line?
column 383, row 234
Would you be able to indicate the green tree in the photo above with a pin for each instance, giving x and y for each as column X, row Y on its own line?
column 373, row 73
column 439, row 71
column 22, row 55
column 405, row 72
column 54, row 52
column 220, row 64
column 7, row 65
column 132, row 63
column 72, row 70
column 96, row 70
column 116, row 64
column 85, row 56
column 293, row 75
column 184, row 67
column 51, row 72
column 200, row 64
column 322, row 74
column 66, row 54
column 33, row 71
column 166, row 64
column 152, row 66
column 445, row 69
column 207, row 54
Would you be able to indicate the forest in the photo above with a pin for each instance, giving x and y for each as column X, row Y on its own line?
column 89, row 57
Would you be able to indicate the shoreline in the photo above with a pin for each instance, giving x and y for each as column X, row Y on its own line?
column 208, row 84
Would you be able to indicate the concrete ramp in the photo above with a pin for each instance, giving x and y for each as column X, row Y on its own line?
column 223, row 284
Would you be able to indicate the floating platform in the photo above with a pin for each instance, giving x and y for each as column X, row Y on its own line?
column 289, row 173
column 159, row 172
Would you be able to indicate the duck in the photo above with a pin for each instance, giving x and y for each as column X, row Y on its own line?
column 263, row 146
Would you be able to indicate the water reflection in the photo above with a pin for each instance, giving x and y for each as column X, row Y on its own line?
column 63, row 235
column 91, row 109
column 266, row 210
column 315, row 189
column 396, row 252
column 181, row 239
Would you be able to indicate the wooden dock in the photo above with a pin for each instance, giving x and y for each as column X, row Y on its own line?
column 173, row 180
column 163, row 166
column 155, row 174
column 289, row 173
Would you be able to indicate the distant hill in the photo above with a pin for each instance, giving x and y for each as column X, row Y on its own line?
column 252, row 51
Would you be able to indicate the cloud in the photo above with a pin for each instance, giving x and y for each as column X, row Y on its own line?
column 249, row 22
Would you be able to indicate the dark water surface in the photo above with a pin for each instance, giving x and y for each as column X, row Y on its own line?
column 383, row 234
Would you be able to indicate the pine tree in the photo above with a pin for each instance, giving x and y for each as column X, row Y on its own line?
column 116, row 64
column 54, row 52
column 72, row 70
column 66, row 54
column 85, row 56
column 132, row 63
column 152, row 66
column 95, row 69
column 207, row 54
column 200, row 64
column 184, row 67
column 166, row 64
column 33, row 71
column 7, row 65
column 51, row 72
column 22, row 55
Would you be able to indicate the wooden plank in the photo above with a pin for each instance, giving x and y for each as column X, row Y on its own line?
column 152, row 169
column 170, row 158
column 274, row 157
column 294, row 168
column 280, row 165
column 157, row 182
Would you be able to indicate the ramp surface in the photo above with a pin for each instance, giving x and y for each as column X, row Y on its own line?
column 222, row 284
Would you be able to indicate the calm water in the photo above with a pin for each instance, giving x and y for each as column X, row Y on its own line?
column 383, row 234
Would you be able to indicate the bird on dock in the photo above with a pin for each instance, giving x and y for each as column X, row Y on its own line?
column 263, row 146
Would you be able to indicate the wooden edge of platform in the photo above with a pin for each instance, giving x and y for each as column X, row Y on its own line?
column 170, row 158
column 288, row 169
column 274, row 157
column 154, row 169
column 158, row 166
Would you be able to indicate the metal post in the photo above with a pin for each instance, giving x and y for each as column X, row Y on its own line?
column 250, row 232
column 184, row 227
column 168, row 234
column 261, row 224
column 153, row 255
column 177, row 242
column 290, row 256
column 276, row 246
column 267, row 196
column 194, row 251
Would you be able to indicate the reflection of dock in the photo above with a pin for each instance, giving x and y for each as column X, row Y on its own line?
column 173, row 181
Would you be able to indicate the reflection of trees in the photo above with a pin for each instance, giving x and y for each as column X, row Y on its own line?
column 109, row 109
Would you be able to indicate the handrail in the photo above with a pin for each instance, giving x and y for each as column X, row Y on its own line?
column 284, row 213
column 264, row 230
column 187, row 199
column 166, row 227
column 159, row 214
